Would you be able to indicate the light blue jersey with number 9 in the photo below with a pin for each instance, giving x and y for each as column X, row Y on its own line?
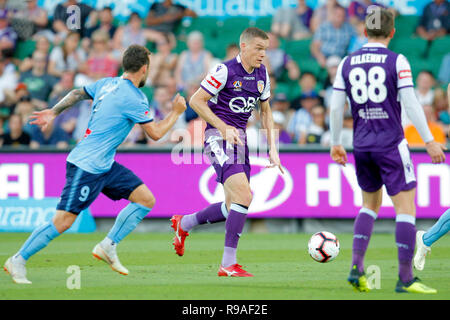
column 117, row 106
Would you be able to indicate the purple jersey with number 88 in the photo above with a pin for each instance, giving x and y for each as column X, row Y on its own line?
column 372, row 77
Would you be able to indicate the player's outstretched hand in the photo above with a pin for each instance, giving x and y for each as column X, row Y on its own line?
column 274, row 160
column 179, row 104
column 42, row 118
column 339, row 155
column 436, row 151
column 231, row 134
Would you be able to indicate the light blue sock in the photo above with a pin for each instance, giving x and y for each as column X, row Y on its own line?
column 127, row 220
column 38, row 240
column 441, row 227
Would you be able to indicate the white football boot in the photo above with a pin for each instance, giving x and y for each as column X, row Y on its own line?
column 16, row 270
column 109, row 255
column 421, row 251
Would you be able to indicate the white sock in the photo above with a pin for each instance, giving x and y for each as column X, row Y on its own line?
column 107, row 243
column 19, row 259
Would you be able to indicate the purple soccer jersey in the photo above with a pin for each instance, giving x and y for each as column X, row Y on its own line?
column 235, row 93
column 372, row 77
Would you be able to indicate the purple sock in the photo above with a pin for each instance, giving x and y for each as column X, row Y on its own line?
column 229, row 256
column 405, row 238
column 214, row 213
column 233, row 229
column 362, row 230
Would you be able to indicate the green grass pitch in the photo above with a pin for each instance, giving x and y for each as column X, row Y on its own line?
column 280, row 263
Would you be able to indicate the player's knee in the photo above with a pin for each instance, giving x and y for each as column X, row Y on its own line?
column 374, row 206
column 63, row 221
column 148, row 201
column 249, row 198
column 245, row 198
column 409, row 209
column 373, row 202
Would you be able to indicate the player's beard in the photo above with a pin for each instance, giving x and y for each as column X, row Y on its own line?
column 144, row 78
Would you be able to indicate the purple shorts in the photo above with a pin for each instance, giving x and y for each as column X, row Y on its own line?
column 227, row 159
column 393, row 168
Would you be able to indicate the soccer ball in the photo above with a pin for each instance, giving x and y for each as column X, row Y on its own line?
column 323, row 246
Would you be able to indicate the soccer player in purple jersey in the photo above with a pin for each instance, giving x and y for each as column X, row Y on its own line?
column 225, row 100
column 377, row 81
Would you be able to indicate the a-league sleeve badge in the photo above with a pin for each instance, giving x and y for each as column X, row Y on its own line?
column 260, row 86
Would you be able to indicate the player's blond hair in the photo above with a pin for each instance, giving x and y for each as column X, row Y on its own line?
column 251, row 33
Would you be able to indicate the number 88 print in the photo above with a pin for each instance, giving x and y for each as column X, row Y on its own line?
column 375, row 92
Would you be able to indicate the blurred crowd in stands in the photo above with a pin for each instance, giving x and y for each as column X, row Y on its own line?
column 64, row 59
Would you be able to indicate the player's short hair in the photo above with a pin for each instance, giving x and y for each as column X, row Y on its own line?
column 379, row 22
column 251, row 33
column 134, row 58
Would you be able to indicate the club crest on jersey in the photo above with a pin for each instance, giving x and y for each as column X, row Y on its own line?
column 260, row 86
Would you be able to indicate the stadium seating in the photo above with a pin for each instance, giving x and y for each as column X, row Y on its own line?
column 218, row 46
column 419, row 64
column 299, row 49
column 207, row 25
column 181, row 45
column 231, row 25
column 309, row 64
column 405, row 26
column 24, row 49
column 148, row 91
column 440, row 47
column 220, row 33
column 409, row 46
column 264, row 23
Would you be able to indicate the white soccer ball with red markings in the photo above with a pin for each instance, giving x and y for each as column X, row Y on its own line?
column 323, row 246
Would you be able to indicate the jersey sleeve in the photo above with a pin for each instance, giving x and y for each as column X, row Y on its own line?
column 91, row 89
column 266, row 91
column 404, row 74
column 215, row 80
column 139, row 113
column 339, row 83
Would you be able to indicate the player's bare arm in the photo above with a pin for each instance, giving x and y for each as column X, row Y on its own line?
column 45, row 117
column 157, row 130
column 199, row 102
column 267, row 123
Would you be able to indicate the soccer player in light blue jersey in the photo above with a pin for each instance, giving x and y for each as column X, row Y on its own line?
column 424, row 239
column 117, row 106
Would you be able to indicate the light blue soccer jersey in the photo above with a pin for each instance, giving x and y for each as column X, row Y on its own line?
column 117, row 106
